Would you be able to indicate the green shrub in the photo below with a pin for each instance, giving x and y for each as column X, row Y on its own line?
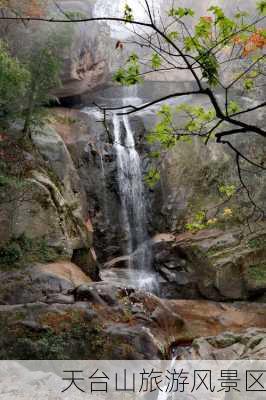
column 10, row 254
column 257, row 272
column 19, row 253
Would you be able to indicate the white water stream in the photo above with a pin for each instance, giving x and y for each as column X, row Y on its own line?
column 133, row 209
column 131, row 190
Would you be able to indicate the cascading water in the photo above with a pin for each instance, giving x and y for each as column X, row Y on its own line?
column 132, row 196
column 133, row 211
column 115, row 8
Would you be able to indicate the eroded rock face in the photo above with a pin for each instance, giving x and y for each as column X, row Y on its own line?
column 95, row 160
column 88, row 55
column 51, row 203
column 86, row 64
column 47, row 222
column 104, row 322
column 223, row 263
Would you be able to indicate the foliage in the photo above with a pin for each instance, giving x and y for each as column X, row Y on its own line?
column 227, row 190
column 10, row 181
column 128, row 14
column 257, row 272
column 156, row 61
column 199, row 222
column 26, row 83
column 44, row 64
column 10, row 254
column 20, row 252
column 130, row 75
column 227, row 212
column 163, row 131
column 261, row 6
column 167, row 132
column 181, row 12
column 257, row 243
column 14, row 78
column 233, row 107
column 152, row 177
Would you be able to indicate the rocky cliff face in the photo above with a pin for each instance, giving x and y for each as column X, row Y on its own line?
column 190, row 264
column 43, row 219
column 60, row 203
column 87, row 63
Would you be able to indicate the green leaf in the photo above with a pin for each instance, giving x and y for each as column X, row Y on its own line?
column 233, row 107
column 203, row 28
column 181, row 12
column 152, row 177
column 173, row 35
column 154, row 154
column 209, row 67
column 191, row 43
column 130, row 75
column 217, row 11
column 198, row 223
column 128, row 13
column 14, row 80
column 261, row 7
column 248, row 84
column 133, row 58
column 156, row 61
column 228, row 190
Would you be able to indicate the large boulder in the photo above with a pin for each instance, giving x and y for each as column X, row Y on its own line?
column 41, row 282
column 211, row 264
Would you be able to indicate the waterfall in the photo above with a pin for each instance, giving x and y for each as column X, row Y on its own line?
column 164, row 395
column 131, row 193
column 115, row 8
column 133, row 208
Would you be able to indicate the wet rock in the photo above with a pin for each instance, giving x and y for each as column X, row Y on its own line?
column 118, row 262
